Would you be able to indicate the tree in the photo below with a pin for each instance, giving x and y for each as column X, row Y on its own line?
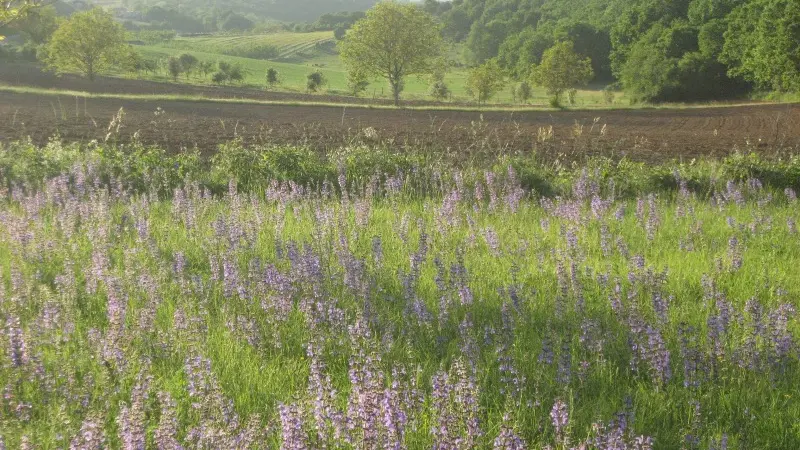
column 521, row 52
column 188, row 63
column 672, row 63
column 485, row 80
column 235, row 73
column 175, row 68
column 315, row 80
column 236, row 22
column 522, row 92
column 219, row 77
column 339, row 33
column 762, row 43
column 12, row 10
column 393, row 41
column 38, row 25
column 589, row 42
column 206, row 67
column 562, row 69
column 357, row 83
column 272, row 77
column 89, row 42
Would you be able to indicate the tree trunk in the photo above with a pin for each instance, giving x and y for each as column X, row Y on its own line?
column 90, row 69
column 396, row 92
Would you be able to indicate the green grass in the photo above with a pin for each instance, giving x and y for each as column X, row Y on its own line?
column 290, row 45
column 299, row 58
column 102, row 321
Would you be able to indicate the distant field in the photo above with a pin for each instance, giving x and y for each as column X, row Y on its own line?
column 303, row 53
column 289, row 45
column 293, row 71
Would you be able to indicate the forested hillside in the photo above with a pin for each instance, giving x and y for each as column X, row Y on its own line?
column 658, row 50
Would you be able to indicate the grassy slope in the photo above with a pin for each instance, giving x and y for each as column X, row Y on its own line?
column 287, row 43
column 294, row 67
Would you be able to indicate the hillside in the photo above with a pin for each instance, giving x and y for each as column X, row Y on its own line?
column 282, row 46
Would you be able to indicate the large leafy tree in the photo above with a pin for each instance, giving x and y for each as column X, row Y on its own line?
column 762, row 43
column 562, row 69
column 393, row 41
column 89, row 43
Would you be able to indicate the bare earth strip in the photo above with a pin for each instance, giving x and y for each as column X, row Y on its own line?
column 649, row 135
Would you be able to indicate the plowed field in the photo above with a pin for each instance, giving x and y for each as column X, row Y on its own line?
column 649, row 134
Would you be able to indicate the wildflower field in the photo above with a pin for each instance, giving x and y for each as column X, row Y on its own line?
column 270, row 297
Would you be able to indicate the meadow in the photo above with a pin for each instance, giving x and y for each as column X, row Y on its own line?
column 287, row 44
column 276, row 297
column 298, row 54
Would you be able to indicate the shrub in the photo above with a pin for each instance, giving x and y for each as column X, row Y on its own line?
column 272, row 77
column 439, row 90
column 608, row 95
column 219, row 77
column 315, row 81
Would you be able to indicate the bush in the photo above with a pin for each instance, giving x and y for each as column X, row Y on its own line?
column 439, row 90
column 315, row 81
column 188, row 63
column 219, row 77
column 272, row 77
column 608, row 95
column 256, row 167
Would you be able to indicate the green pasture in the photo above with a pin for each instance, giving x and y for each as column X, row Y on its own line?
column 299, row 57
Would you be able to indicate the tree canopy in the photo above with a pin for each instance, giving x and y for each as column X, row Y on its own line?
column 562, row 69
column 12, row 10
column 658, row 50
column 393, row 41
column 485, row 80
column 762, row 43
column 89, row 43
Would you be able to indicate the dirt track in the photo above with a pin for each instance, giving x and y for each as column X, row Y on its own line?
column 641, row 134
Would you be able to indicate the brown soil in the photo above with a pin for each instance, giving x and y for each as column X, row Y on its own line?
column 649, row 135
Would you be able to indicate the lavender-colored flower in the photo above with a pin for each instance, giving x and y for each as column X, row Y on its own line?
column 507, row 439
column 131, row 419
column 513, row 191
column 91, row 435
column 17, row 348
column 166, row 434
column 559, row 415
column 492, row 190
column 734, row 253
column 293, row 435
column 377, row 251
